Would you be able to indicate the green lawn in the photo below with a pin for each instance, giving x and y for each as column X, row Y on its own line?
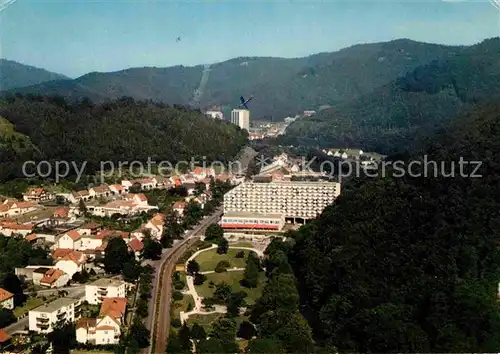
column 209, row 259
column 232, row 278
column 241, row 244
column 30, row 304
column 182, row 305
column 206, row 321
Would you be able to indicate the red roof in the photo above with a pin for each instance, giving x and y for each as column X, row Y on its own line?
column 179, row 205
column 62, row 212
column 5, row 295
column 113, row 307
column 142, row 197
column 136, row 245
column 4, row 336
column 73, row 235
column 86, row 323
column 51, row 276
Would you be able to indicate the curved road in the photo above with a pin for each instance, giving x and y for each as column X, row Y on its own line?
column 163, row 270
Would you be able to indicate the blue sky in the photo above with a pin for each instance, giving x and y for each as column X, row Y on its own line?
column 77, row 37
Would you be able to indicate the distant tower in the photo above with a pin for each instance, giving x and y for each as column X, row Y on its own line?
column 241, row 118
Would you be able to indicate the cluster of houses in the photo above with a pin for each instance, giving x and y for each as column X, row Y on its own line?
column 13, row 207
column 106, row 328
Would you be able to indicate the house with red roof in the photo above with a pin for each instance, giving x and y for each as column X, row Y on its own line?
column 200, row 172
column 106, row 328
column 100, row 191
column 54, row 278
column 116, row 189
column 69, row 240
column 9, row 228
column 179, row 208
column 13, row 207
column 37, row 195
column 135, row 245
column 69, row 261
column 6, row 299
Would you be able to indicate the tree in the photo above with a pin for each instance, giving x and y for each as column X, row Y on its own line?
column 246, row 331
column 12, row 284
column 240, row 254
column 210, row 346
column 152, row 249
column 222, row 266
column 198, row 332
column 200, row 187
column 223, row 246
column 139, row 334
column 222, row 292
column 174, row 345
column 214, row 232
column 251, row 275
column 192, row 267
column 185, row 336
column 224, row 329
column 116, row 255
column 265, row 346
column 63, row 338
column 6, row 317
column 82, row 208
column 234, row 302
column 177, row 296
column 199, row 279
column 131, row 271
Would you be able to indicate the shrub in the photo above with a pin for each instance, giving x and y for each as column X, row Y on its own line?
column 176, row 323
column 179, row 285
column 240, row 254
column 177, row 296
column 222, row 266
column 199, row 279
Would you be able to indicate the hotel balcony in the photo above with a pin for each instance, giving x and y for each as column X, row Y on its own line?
column 42, row 320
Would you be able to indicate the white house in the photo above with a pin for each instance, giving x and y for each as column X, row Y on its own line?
column 37, row 195
column 155, row 225
column 6, row 299
column 43, row 318
column 105, row 329
column 69, row 240
column 201, row 173
column 8, row 228
column 54, row 278
column 69, row 261
column 100, row 191
column 104, row 288
column 116, row 189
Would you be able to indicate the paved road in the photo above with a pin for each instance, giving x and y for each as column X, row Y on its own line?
column 169, row 255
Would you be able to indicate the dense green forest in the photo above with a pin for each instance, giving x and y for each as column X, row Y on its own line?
column 410, row 264
column 392, row 117
column 49, row 128
column 280, row 86
column 14, row 74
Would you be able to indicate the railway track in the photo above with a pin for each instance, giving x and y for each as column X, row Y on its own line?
column 162, row 308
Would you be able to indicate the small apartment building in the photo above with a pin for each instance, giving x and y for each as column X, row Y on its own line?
column 245, row 220
column 104, row 288
column 6, row 299
column 43, row 318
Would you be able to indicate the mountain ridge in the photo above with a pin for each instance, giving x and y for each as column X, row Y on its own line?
column 280, row 86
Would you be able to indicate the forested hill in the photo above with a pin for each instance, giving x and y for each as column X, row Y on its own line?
column 280, row 86
column 388, row 119
column 14, row 75
column 411, row 264
column 122, row 130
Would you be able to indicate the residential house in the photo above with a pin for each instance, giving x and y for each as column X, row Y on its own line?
column 6, row 299
column 69, row 240
column 90, row 229
column 201, row 173
column 163, row 183
column 121, row 207
column 37, row 195
column 44, row 318
column 126, row 185
column 105, row 329
column 9, row 228
column 69, row 261
column 54, row 278
column 116, row 189
column 75, row 197
column 5, row 339
column 147, row 183
column 37, row 274
column 135, row 245
column 179, row 208
column 155, row 225
column 104, row 288
column 100, row 191
column 13, row 207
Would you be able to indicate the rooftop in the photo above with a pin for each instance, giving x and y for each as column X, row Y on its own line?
column 56, row 305
column 244, row 214
column 107, row 282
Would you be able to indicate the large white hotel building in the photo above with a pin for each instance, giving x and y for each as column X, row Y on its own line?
column 250, row 201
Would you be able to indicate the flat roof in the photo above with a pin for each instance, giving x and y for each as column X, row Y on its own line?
column 245, row 214
column 56, row 305
column 107, row 282
column 297, row 183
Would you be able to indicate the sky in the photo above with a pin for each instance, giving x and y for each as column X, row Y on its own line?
column 76, row 37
